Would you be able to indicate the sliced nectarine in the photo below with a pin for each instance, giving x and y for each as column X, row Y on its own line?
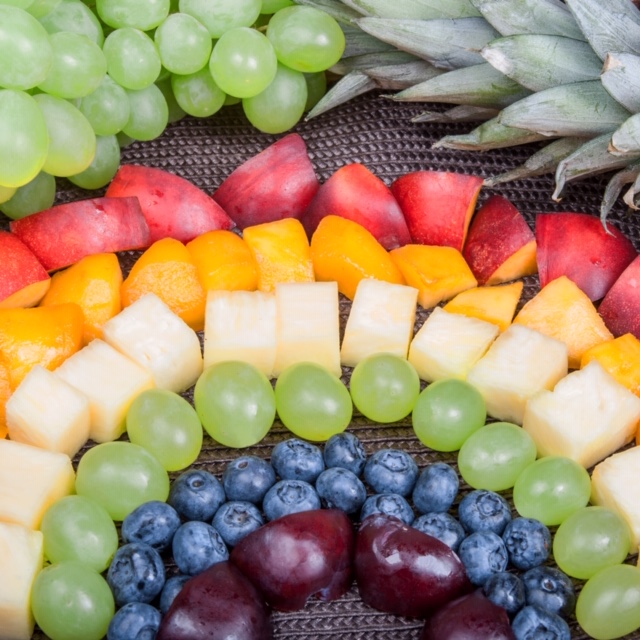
column 438, row 273
column 344, row 251
column 620, row 308
column 563, row 311
column 167, row 269
column 281, row 251
column 224, row 261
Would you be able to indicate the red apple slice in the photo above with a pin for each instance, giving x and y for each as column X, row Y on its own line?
column 23, row 280
column 355, row 193
column 63, row 234
column 500, row 246
column 173, row 206
column 279, row 182
column 578, row 246
column 620, row 308
column 437, row 205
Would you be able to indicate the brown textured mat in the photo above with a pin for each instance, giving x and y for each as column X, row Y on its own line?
column 376, row 132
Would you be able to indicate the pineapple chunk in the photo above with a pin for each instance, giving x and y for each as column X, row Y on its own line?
column 159, row 340
column 447, row 345
column 307, row 325
column 586, row 417
column 21, row 559
column 241, row 325
column 615, row 484
column 381, row 320
column 110, row 380
column 520, row 362
column 47, row 412
column 31, row 479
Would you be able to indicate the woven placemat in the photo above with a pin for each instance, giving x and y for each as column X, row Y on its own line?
column 378, row 133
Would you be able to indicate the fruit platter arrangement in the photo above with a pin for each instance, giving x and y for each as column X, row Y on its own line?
column 317, row 370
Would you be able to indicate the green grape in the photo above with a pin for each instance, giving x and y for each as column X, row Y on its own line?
column 231, row 100
column 235, row 403
column 176, row 112
column 37, row 195
column 306, row 39
column 77, row 528
column 184, row 44
column 271, row 6
column 167, row 426
column 124, row 140
column 25, row 50
column 551, row 489
column 243, row 62
column 76, row 17
column 384, row 387
column 107, row 108
column 23, row 4
column 197, row 93
column 121, row 476
column 316, row 88
column 72, row 142
column 145, row 15
column 494, row 456
column 149, row 114
column 78, row 66
column 608, row 605
column 41, row 8
column 591, row 539
column 312, row 402
column 220, row 16
column 106, row 163
column 24, row 139
column 6, row 193
column 132, row 58
column 446, row 413
column 71, row 601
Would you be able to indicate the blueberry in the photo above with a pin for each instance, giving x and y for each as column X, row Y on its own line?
column 483, row 510
column 136, row 573
column 340, row 488
column 171, row 589
column 442, row 526
column 550, row 589
column 197, row 546
column 391, row 471
column 483, row 554
column 391, row 504
column 295, row 459
column 436, row 488
column 289, row 496
column 196, row 495
column 534, row 623
column 506, row 590
column 345, row 450
column 528, row 542
column 153, row 523
column 248, row 478
column 235, row 519
column 134, row 621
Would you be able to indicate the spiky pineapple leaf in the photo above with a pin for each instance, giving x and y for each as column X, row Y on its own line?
column 414, row 9
column 358, row 43
column 334, row 8
column 461, row 113
column 625, row 139
column 395, row 77
column 632, row 196
column 614, row 188
column 348, row 87
column 621, row 78
column 371, row 60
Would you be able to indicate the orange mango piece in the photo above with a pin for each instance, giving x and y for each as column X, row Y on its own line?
column 224, row 261
column 167, row 269
column 437, row 272
column 563, row 311
column 494, row 304
column 5, row 394
column 345, row 251
column 281, row 251
column 93, row 283
column 39, row 335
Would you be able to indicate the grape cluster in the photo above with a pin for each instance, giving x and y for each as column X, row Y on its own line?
column 79, row 80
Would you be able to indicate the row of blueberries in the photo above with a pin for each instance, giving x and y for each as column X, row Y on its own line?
column 204, row 517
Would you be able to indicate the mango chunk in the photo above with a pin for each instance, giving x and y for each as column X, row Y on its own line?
column 5, row 394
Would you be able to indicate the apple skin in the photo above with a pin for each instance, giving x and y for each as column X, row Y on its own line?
column 173, row 206
column 65, row 233
column 499, row 235
column 279, row 182
column 620, row 308
column 23, row 280
column 354, row 192
column 217, row 604
column 578, row 246
column 437, row 205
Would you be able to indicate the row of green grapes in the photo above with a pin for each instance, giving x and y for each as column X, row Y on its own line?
column 79, row 80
